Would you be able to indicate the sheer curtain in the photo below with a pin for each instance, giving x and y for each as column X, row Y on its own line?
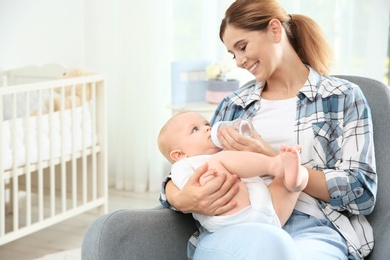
column 135, row 42
column 131, row 42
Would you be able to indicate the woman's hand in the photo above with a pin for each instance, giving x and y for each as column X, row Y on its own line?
column 232, row 140
column 214, row 198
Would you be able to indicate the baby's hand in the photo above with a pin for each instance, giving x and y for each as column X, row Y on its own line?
column 207, row 176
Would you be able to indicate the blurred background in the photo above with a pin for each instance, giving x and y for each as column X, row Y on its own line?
column 135, row 43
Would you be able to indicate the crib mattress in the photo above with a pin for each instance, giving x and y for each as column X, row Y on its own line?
column 39, row 138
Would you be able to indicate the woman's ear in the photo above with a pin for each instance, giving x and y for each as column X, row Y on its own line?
column 275, row 28
column 177, row 155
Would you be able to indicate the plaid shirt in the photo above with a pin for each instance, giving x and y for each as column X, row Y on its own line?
column 334, row 127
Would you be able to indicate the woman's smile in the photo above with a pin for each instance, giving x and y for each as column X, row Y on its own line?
column 254, row 67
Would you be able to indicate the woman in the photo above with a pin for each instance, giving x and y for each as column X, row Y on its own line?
column 292, row 102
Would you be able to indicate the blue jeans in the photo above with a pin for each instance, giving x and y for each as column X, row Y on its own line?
column 306, row 238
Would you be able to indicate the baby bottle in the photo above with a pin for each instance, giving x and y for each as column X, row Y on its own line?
column 240, row 125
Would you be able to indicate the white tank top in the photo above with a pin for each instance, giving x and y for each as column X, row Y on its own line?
column 280, row 117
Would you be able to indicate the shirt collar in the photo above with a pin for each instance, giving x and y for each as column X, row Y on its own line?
column 250, row 93
column 311, row 86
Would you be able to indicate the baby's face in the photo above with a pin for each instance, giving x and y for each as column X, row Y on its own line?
column 191, row 134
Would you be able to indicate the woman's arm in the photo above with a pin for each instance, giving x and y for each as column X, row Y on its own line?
column 213, row 198
column 353, row 184
column 316, row 185
column 342, row 152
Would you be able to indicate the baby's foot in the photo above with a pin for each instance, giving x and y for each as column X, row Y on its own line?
column 295, row 176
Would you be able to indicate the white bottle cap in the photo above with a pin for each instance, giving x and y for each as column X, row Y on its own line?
column 214, row 132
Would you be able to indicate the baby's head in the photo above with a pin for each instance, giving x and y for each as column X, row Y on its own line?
column 186, row 134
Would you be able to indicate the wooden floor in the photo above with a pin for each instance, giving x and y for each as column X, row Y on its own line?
column 69, row 234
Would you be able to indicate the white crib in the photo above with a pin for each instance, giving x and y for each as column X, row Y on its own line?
column 53, row 165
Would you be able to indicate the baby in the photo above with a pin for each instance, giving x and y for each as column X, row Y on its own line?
column 186, row 142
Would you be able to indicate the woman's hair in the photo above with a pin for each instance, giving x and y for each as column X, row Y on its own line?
column 304, row 34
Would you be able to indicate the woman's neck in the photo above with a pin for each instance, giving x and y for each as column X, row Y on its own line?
column 286, row 82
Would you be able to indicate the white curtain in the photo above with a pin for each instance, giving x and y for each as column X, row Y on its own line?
column 135, row 42
column 131, row 42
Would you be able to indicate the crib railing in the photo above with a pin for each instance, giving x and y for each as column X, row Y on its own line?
column 67, row 173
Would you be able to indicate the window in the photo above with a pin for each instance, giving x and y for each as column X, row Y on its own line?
column 357, row 31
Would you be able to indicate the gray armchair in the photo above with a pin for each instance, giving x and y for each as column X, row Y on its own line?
column 163, row 234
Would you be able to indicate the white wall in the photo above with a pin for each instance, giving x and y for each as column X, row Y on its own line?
column 35, row 32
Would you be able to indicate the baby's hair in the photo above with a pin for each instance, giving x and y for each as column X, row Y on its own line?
column 164, row 140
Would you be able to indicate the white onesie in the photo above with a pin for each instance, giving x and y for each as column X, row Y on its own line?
column 261, row 209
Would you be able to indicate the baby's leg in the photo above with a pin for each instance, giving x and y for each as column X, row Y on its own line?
column 283, row 200
column 295, row 175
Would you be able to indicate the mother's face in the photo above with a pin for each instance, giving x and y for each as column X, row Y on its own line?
column 256, row 51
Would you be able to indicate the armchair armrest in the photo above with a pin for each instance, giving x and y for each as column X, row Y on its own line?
column 158, row 233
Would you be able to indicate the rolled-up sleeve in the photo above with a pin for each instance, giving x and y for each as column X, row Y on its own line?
column 353, row 184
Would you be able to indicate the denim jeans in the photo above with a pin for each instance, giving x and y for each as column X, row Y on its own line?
column 316, row 238
column 309, row 238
